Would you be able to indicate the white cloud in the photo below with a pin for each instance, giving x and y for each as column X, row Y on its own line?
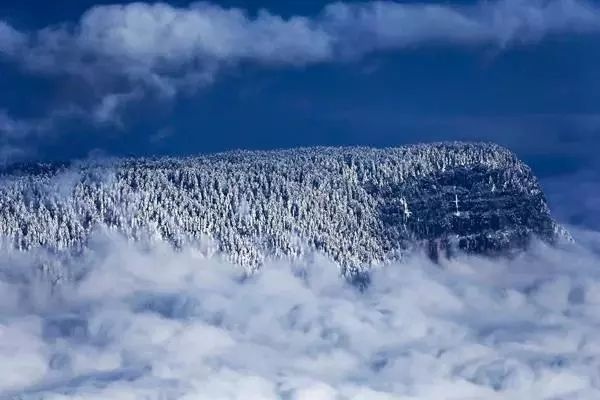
column 10, row 39
column 167, row 39
column 382, row 24
column 161, row 35
column 161, row 49
column 155, row 323
column 107, row 111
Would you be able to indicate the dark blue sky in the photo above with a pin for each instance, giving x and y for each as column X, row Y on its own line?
column 540, row 98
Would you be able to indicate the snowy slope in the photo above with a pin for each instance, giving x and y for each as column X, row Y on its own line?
column 360, row 206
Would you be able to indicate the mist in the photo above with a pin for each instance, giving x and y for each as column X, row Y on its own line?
column 131, row 321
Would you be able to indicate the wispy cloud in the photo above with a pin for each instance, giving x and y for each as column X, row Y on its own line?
column 16, row 134
column 12, row 131
column 119, row 53
column 11, row 40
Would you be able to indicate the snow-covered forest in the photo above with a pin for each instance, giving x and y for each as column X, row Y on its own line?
column 359, row 206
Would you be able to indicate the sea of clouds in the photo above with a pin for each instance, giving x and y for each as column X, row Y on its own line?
column 129, row 321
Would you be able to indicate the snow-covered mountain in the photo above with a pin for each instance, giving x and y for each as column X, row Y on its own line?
column 360, row 206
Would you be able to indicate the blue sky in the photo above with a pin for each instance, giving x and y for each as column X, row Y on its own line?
column 80, row 78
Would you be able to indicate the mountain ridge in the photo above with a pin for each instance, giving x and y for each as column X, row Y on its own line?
column 360, row 206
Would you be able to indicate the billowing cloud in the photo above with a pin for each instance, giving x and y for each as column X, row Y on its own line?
column 166, row 39
column 161, row 35
column 130, row 322
column 123, row 53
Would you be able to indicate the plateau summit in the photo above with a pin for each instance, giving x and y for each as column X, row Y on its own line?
column 359, row 206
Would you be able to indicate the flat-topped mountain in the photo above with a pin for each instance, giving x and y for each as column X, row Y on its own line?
column 360, row 206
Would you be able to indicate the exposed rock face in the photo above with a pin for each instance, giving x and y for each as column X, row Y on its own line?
column 360, row 206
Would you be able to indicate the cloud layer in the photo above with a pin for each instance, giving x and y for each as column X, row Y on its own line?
column 128, row 322
column 163, row 38
column 122, row 53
